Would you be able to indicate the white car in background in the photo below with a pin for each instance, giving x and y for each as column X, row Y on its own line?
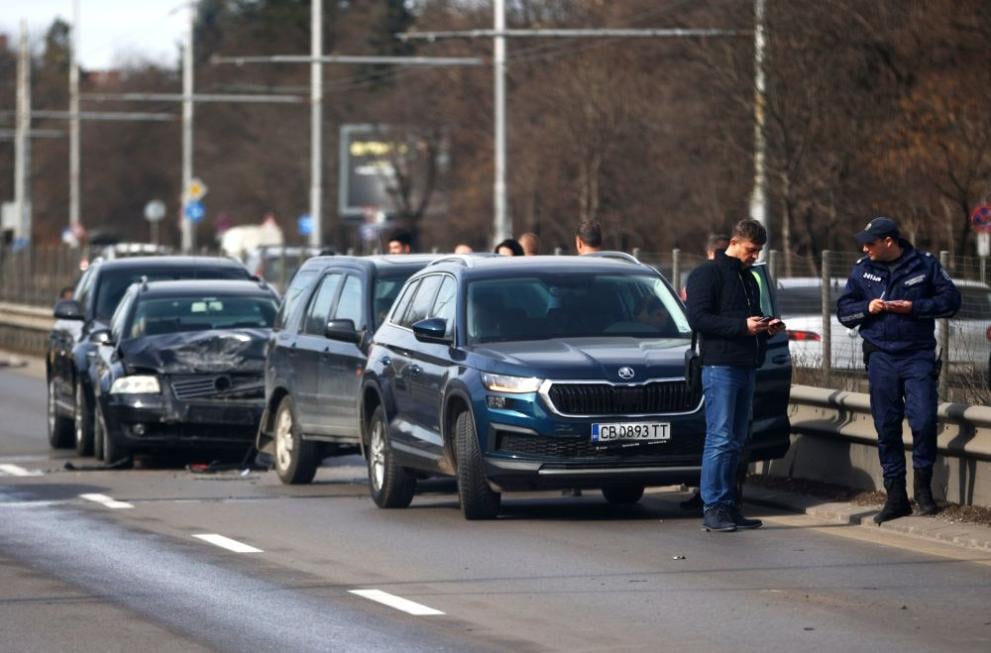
column 799, row 300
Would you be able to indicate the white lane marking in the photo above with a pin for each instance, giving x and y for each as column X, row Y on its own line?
column 105, row 501
column 17, row 470
column 397, row 602
column 227, row 543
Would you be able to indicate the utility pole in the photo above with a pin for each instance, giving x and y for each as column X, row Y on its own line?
column 316, row 122
column 316, row 61
column 22, row 142
column 758, row 196
column 74, row 221
column 503, row 227
column 188, row 226
column 501, row 223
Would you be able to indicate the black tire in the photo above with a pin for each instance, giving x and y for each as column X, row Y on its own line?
column 296, row 459
column 622, row 494
column 390, row 485
column 60, row 428
column 478, row 500
column 112, row 452
column 83, row 422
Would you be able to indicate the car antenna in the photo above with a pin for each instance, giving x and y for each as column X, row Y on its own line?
column 144, row 282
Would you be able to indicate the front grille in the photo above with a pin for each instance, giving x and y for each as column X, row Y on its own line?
column 678, row 449
column 605, row 399
column 219, row 386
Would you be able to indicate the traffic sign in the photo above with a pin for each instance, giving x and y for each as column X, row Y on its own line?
column 980, row 218
column 304, row 224
column 197, row 189
column 154, row 210
column 195, row 211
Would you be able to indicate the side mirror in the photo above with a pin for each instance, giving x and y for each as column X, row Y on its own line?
column 68, row 309
column 342, row 330
column 433, row 329
column 101, row 337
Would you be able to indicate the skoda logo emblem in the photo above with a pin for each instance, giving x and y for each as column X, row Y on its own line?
column 626, row 373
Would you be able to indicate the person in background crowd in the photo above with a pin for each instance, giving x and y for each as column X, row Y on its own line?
column 509, row 247
column 894, row 294
column 724, row 308
column 400, row 242
column 588, row 238
column 66, row 293
column 530, row 242
column 463, row 248
column 713, row 244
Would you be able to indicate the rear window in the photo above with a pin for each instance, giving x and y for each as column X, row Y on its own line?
column 114, row 283
column 201, row 313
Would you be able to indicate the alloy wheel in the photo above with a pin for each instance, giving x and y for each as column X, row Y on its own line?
column 284, row 444
column 377, row 454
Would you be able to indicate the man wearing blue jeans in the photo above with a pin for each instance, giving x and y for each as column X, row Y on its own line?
column 724, row 308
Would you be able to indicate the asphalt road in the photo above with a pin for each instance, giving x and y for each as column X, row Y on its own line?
column 138, row 567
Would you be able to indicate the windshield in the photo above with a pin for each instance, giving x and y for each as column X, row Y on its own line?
column 198, row 313
column 573, row 306
column 113, row 284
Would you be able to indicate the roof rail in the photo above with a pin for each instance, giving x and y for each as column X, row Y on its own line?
column 144, row 282
column 619, row 256
column 463, row 259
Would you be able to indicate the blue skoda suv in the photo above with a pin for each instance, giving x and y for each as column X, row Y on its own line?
column 542, row 373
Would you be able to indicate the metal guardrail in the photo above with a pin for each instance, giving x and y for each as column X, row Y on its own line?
column 834, row 441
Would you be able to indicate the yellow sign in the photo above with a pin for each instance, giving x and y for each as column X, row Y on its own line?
column 197, row 189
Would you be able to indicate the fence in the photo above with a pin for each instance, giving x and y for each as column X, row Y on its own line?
column 824, row 352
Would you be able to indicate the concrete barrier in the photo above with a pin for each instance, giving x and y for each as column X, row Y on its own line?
column 834, row 441
column 25, row 328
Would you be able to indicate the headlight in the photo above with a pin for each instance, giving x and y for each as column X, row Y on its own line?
column 504, row 383
column 126, row 385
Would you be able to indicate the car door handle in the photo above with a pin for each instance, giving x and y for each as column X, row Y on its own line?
column 783, row 358
column 415, row 369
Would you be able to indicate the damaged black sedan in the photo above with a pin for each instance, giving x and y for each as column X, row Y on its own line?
column 182, row 365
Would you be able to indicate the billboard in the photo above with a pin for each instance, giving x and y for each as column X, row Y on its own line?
column 390, row 169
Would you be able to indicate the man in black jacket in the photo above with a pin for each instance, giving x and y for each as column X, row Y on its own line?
column 724, row 308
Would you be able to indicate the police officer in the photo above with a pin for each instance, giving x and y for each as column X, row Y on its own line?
column 894, row 294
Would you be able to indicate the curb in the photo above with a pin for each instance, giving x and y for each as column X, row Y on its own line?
column 966, row 535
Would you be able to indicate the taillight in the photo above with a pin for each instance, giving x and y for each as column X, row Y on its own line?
column 803, row 336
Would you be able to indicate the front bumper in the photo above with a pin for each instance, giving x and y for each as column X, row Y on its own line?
column 154, row 421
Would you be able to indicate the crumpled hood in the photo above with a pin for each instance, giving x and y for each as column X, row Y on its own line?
column 222, row 350
column 585, row 358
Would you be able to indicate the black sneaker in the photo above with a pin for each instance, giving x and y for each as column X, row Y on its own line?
column 743, row 522
column 718, row 519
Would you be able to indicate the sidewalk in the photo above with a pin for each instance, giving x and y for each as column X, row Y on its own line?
column 939, row 529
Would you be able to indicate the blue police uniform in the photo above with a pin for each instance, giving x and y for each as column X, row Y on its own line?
column 899, row 350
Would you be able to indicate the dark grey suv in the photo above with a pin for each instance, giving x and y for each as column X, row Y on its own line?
column 316, row 357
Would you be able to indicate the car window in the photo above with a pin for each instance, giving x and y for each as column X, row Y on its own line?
column 349, row 306
column 297, row 289
column 114, row 283
column 446, row 303
column 574, row 305
column 386, row 290
column 81, row 292
column 319, row 310
column 423, row 300
column 120, row 316
column 158, row 316
column 766, row 303
column 399, row 308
